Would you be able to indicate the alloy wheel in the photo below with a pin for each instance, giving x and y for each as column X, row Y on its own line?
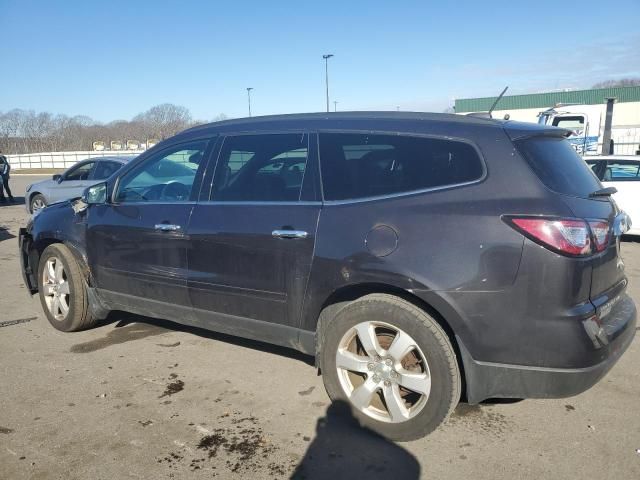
column 55, row 287
column 37, row 204
column 383, row 372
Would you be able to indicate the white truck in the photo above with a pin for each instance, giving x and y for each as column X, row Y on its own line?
column 587, row 123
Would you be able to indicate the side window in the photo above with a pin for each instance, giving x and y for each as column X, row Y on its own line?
column 622, row 171
column 80, row 172
column 361, row 165
column 104, row 169
column 261, row 168
column 168, row 175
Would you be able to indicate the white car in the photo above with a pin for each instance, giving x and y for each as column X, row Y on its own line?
column 623, row 173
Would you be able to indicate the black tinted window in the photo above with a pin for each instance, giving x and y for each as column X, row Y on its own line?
column 559, row 166
column 360, row 165
column 266, row 168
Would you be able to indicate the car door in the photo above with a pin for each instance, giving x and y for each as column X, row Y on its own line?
column 137, row 243
column 624, row 175
column 73, row 182
column 252, row 239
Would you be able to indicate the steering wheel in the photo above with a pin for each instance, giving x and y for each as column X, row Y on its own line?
column 174, row 191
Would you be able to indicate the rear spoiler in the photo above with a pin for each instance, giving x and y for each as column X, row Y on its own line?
column 521, row 130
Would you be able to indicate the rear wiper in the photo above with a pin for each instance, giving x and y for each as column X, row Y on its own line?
column 604, row 192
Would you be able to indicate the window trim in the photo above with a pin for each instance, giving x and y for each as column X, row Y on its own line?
column 396, row 133
column 208, row 141
column 224, row 136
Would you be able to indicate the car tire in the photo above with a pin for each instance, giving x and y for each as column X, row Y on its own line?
column 63, row 290
column 37, row 202
column 428, row 365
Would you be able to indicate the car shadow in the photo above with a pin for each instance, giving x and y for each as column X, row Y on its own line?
column 342, row 448
column 156, row 326
column 5, row 234
column 16, row 201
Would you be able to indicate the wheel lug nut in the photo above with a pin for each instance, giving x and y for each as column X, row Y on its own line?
column 394, row 374
column 377, row 358
column 376, row 378
column 370, row 366
column 389, row 362
column 387, row 383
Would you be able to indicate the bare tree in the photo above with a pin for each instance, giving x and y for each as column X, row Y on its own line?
column 25, row 131
column 163, row 121
column 622, row 82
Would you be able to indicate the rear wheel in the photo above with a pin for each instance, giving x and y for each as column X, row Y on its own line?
column 37, row 202
column 393, row 364
column 62, row 288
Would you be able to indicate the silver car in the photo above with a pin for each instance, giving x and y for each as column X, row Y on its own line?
column 72, row 182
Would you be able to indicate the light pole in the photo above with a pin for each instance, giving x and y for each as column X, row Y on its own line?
column 326, row 74
column 249, row 98
column 335, row 106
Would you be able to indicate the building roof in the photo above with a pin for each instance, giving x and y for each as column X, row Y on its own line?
column 594, row 96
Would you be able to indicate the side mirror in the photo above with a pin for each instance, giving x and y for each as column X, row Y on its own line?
column 57, row 178
column 96, row 194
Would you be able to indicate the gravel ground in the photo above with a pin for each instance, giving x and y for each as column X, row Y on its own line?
column 139, row 398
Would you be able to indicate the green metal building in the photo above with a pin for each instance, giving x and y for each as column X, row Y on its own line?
column 595, row 96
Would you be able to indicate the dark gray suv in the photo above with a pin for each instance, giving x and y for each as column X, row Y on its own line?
column 422, row 258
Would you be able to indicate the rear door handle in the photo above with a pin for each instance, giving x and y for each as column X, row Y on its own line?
column 289, row 234
column 167, row 227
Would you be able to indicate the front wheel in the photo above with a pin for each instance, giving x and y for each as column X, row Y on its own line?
column 393, row 363
column 38, row 202
column 63, row 292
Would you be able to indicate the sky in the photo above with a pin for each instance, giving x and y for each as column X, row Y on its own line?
column 114, row 59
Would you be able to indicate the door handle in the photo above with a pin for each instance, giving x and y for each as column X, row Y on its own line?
column 289, row 234
column 167, row 227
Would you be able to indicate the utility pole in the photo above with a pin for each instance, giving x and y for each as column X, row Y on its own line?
column 335, row 106
column 249, row 98
column 326, row 74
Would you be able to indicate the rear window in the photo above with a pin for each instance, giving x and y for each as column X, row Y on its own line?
column 362, row 165
column 558, row 165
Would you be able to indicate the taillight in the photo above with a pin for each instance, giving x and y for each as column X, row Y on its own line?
column 601, row 233
column 568, row 236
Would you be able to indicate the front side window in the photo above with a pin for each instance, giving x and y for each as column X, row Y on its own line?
column 168, row 175
column 361, row 165
column 261, row 168
column 80, row 172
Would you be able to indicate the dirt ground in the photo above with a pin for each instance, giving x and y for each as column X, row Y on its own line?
column 140, row 398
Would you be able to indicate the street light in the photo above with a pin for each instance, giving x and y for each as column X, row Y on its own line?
column 249, row 98
column 335, row 106
column 326, row 74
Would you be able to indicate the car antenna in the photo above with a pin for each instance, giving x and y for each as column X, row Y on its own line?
column 497, row 100
column 488, row 114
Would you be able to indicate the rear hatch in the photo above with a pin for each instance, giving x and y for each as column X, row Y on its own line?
column 563, row 171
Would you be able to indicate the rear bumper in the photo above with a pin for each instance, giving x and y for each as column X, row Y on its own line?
column 496, row 380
